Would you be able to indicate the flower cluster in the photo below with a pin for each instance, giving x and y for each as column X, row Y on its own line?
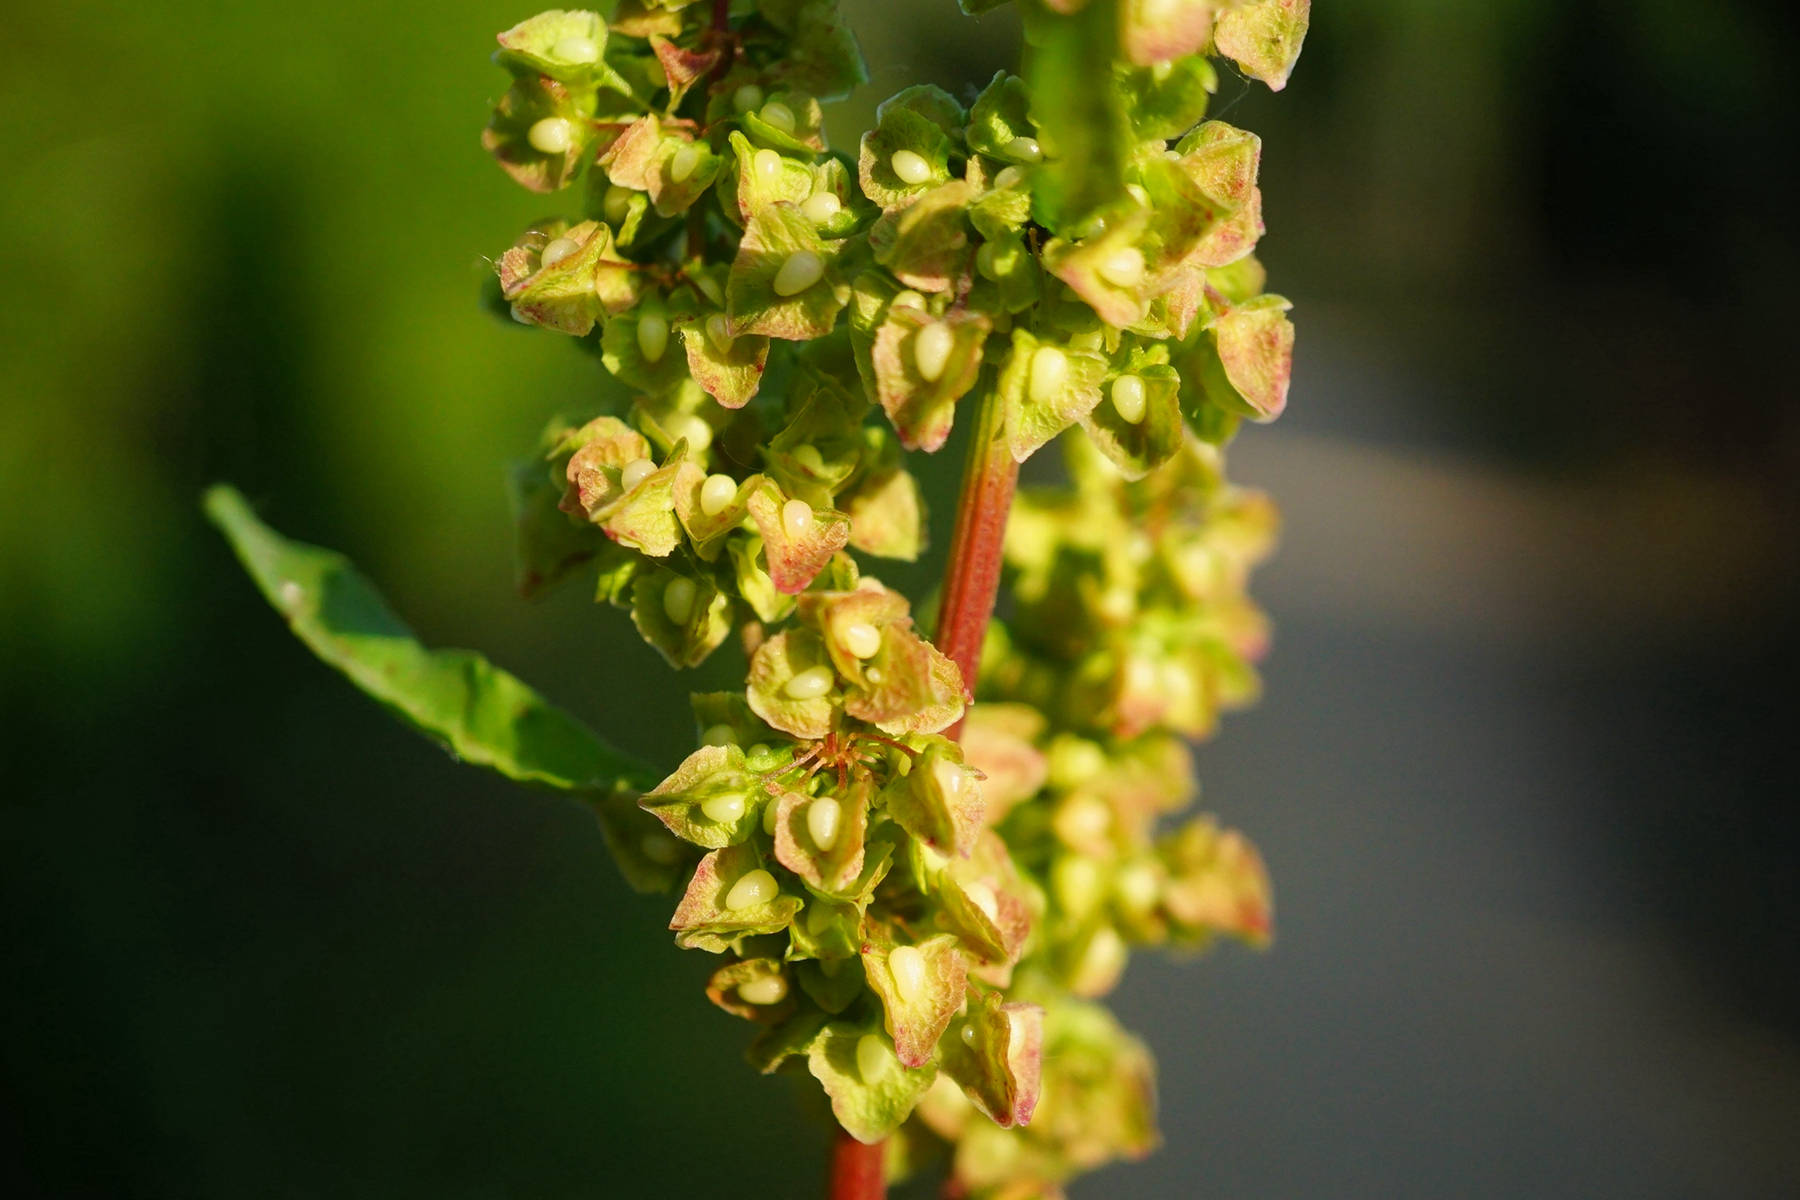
column 915, row 898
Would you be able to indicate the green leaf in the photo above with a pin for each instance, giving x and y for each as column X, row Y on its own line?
column 460, row 700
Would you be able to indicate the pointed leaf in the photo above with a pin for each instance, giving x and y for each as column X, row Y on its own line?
column 478, row 712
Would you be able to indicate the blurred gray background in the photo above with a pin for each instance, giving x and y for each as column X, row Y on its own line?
column 1522, row 774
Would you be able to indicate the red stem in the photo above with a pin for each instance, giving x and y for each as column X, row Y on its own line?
column 972, row 576
column 857, row 1170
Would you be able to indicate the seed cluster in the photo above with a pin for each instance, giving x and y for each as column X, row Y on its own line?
column 922, row 922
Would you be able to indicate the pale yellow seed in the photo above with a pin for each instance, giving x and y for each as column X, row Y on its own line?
column 1049, row 374
column 1082, row 819
column 636, row 472
column 1124, row 267
column 931, row 350
column 777, row 116
column 724, row 809
column 873, row 1058
column 821, row 207
column 982, row 897
column 771, row 817
column 1128, row 399
column 709, row 287
column 1008, row 177
column 968, row 1034
column 767, row 165
column 661, row 848
column 824, row 816
column 617, row 204
column 1101, row 962
column 717, row 493
column 576, row 49
column 652, row 337
column 910, row 166
column 908, row 299
column 1025, row 149
column 1087, row 339
column 684, row 162
column 692, row 428
column 797, row 518
column 718, row 332
column 558, row 250
column 552, row 135
column 863, row 640
column 1137, row 192
column 1076, row 882
column 678, row 599
column 1118, row 604
column 810, row 684
column 950, row 777
column 718, row 735
column 747, row 97
column 802, row 269
column 808, row 456
column 1137, row 887
column 752, row 890
column 908, row 968
column 770, row 989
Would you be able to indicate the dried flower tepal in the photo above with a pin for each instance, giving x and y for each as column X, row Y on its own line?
column 920, row 859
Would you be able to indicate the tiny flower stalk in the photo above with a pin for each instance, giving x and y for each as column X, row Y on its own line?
column 921, row 861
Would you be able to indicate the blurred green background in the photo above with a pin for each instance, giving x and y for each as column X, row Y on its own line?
column 1522, row 775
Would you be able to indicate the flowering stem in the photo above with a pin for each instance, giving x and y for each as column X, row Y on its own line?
column 972, row 577
column 857, row 1169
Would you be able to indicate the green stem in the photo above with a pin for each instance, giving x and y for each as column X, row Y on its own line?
column 972, row 576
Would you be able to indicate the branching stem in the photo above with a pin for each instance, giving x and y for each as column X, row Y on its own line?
column 972, row 577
